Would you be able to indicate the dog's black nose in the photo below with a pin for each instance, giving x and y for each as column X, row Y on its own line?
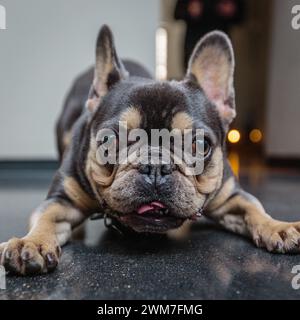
column 156, row 172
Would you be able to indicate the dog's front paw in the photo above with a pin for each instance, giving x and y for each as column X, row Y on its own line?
column 281, row 237
column 29, row 256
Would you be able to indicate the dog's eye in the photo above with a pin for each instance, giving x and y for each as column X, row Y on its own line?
column 202, row 147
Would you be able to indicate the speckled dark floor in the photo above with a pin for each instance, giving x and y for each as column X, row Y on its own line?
column 209, row 264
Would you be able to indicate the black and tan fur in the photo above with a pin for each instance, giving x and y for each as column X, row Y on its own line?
column 125, row 91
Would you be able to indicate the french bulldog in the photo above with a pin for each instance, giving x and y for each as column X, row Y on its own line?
column 152, row 198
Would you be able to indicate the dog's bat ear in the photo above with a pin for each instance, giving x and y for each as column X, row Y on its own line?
column 109, row 68
column 212, row 67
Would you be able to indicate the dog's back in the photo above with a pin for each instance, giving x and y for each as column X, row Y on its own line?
column 76, row 98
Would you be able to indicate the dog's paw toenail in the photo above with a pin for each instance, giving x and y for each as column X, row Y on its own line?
column 279, row 246
column 11, row 268
column 32, row 267
column 51, row 261
column 25, row 256
column 258, row 242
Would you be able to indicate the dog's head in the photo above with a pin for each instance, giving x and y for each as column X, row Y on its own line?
column 159, row 197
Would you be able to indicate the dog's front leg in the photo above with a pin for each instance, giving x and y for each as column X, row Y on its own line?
column 242, row 213
column 39, row 250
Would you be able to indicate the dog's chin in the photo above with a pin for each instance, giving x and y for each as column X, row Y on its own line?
column 153, row 217
column 152, row 223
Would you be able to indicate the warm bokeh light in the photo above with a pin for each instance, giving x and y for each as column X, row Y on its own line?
column 234, row 160
column 234, row 136
column 255, row 135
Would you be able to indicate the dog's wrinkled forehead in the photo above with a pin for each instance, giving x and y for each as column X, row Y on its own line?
column 158, row 105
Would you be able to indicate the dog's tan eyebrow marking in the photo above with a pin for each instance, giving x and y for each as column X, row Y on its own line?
column 80, row 198
column 182, row 121
column 133, row 118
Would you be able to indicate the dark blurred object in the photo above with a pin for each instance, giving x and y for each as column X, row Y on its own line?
column 202, row 16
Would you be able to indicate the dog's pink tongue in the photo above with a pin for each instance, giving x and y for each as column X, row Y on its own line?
column 149, row 207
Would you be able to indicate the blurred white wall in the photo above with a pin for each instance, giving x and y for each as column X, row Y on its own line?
column 46, row 44
column 283, row 113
